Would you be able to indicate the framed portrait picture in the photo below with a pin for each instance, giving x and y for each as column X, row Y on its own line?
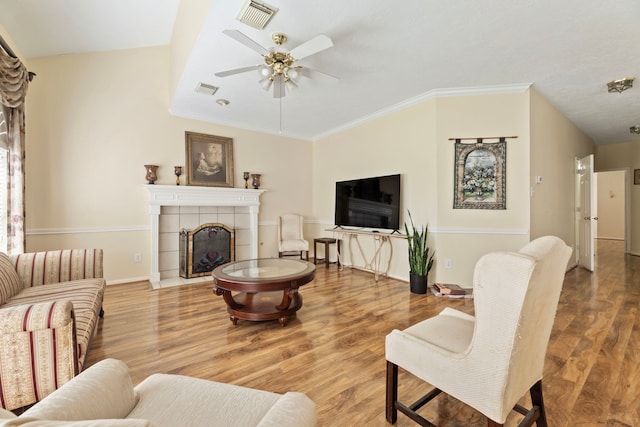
column 208, row 160
column 480, row 176
column 636, row 177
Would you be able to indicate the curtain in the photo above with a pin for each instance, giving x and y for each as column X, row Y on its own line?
column 14, row 81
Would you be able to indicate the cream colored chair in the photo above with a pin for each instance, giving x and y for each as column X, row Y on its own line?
column 491, row 360
column 291, row 237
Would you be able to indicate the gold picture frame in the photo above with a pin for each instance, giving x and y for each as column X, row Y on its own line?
column 480, row 176
column 208, row 160
column 636, row 177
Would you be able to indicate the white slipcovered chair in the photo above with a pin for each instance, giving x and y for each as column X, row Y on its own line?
column 491, row 360
column 291, row 237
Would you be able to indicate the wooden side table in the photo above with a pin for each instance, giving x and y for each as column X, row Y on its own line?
column 326, row 241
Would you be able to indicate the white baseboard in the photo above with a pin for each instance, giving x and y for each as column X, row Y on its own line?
column 128, row 281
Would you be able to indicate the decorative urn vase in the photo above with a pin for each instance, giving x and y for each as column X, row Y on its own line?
column 152, row 174
column 255, row 180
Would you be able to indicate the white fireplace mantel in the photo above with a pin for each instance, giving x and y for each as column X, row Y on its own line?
column 176, row 195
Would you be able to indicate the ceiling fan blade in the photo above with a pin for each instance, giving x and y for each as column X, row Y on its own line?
column 310, row 72
column 308, row 48
column 245, row 40
column 236, row 71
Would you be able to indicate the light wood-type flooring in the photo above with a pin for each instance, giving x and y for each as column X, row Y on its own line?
column 334, row 350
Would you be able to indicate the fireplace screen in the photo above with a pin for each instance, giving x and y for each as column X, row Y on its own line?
column 205, row 248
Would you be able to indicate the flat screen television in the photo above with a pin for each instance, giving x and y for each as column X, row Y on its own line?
column 369, row 202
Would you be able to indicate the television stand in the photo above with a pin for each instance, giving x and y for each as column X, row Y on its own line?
column 374, row 263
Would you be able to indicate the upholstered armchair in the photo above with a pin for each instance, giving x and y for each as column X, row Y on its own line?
column 291, row 236
column 491, row 360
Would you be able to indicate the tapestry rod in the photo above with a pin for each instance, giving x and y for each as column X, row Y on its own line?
column 480, row 140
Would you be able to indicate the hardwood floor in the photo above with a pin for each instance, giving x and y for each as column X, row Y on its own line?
column 334, row 350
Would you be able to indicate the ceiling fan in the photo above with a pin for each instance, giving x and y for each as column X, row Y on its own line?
column 280, row 68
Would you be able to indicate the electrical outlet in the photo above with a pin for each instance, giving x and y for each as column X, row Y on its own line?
column 448, row 264
column 137, row 257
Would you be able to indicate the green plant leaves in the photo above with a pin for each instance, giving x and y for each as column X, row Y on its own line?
column 420, row 255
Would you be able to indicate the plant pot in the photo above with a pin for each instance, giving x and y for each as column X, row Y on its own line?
column 418, row 283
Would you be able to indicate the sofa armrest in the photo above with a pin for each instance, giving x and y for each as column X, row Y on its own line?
column 103, row 391
column 36, row 316
column 42, row 268
column 292, row 409
column 38, row 351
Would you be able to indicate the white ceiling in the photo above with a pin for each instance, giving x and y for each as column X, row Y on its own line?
column 387, row 55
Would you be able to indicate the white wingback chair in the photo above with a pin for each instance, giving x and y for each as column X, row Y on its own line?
column 491, row 360
column 290, row 235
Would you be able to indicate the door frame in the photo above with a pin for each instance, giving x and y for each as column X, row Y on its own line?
column 627, row 204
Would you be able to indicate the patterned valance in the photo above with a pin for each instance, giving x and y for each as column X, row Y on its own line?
column 14, row 81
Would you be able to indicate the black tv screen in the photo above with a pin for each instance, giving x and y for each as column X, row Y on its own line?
column 369, row 202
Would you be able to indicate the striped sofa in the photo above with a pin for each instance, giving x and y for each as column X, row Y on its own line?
column 49, row 307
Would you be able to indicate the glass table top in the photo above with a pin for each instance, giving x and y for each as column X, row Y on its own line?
column 265, row 268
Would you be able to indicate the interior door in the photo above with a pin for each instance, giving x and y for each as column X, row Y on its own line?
column 586, row 213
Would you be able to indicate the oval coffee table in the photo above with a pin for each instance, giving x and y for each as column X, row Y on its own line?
column 268, row 287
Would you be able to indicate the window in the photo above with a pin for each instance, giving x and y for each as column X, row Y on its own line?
column 4, row 168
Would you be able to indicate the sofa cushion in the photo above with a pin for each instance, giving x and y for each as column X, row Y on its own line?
column 34, row 422
column 10, row 283
column 292, row 409
column 102, row 391
column 6, row 415
column 176, row 400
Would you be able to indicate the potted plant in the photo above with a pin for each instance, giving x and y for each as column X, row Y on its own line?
column 420, row 257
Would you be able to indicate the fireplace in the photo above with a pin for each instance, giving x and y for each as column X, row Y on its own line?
column 205, row 248
column 169, row 205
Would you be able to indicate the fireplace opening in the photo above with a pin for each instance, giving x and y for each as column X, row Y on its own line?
column 204, row 248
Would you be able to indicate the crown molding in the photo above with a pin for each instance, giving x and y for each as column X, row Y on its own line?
column 432, row 94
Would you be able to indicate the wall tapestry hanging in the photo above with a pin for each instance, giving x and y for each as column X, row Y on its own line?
column 480, row 174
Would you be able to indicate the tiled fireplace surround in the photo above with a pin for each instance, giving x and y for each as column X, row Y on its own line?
column 173, row 208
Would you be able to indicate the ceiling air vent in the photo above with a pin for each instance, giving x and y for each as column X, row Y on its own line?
column 255, row 14
column 206, row 89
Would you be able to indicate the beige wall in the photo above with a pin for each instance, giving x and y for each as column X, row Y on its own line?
column 624, row 156
column 93, row 123
column 611, row 205
column 186, row 29
column 555, row 145
column 401, row 142
column 94, row 120
column 414, row 142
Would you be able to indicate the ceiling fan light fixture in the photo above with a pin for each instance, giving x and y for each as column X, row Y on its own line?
column 635, row 129
column 289, row 85
column 293, row 74
column 264, row 71
column 620, row 85
column 266, row 83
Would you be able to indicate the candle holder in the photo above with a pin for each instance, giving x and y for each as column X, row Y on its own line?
column 178, row 171
column 245, row 175
column 152, row 173
column 255, row 180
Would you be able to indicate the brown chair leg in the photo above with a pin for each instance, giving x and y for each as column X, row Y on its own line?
column 491, row 423
column 536, row 400
column 392, row 392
